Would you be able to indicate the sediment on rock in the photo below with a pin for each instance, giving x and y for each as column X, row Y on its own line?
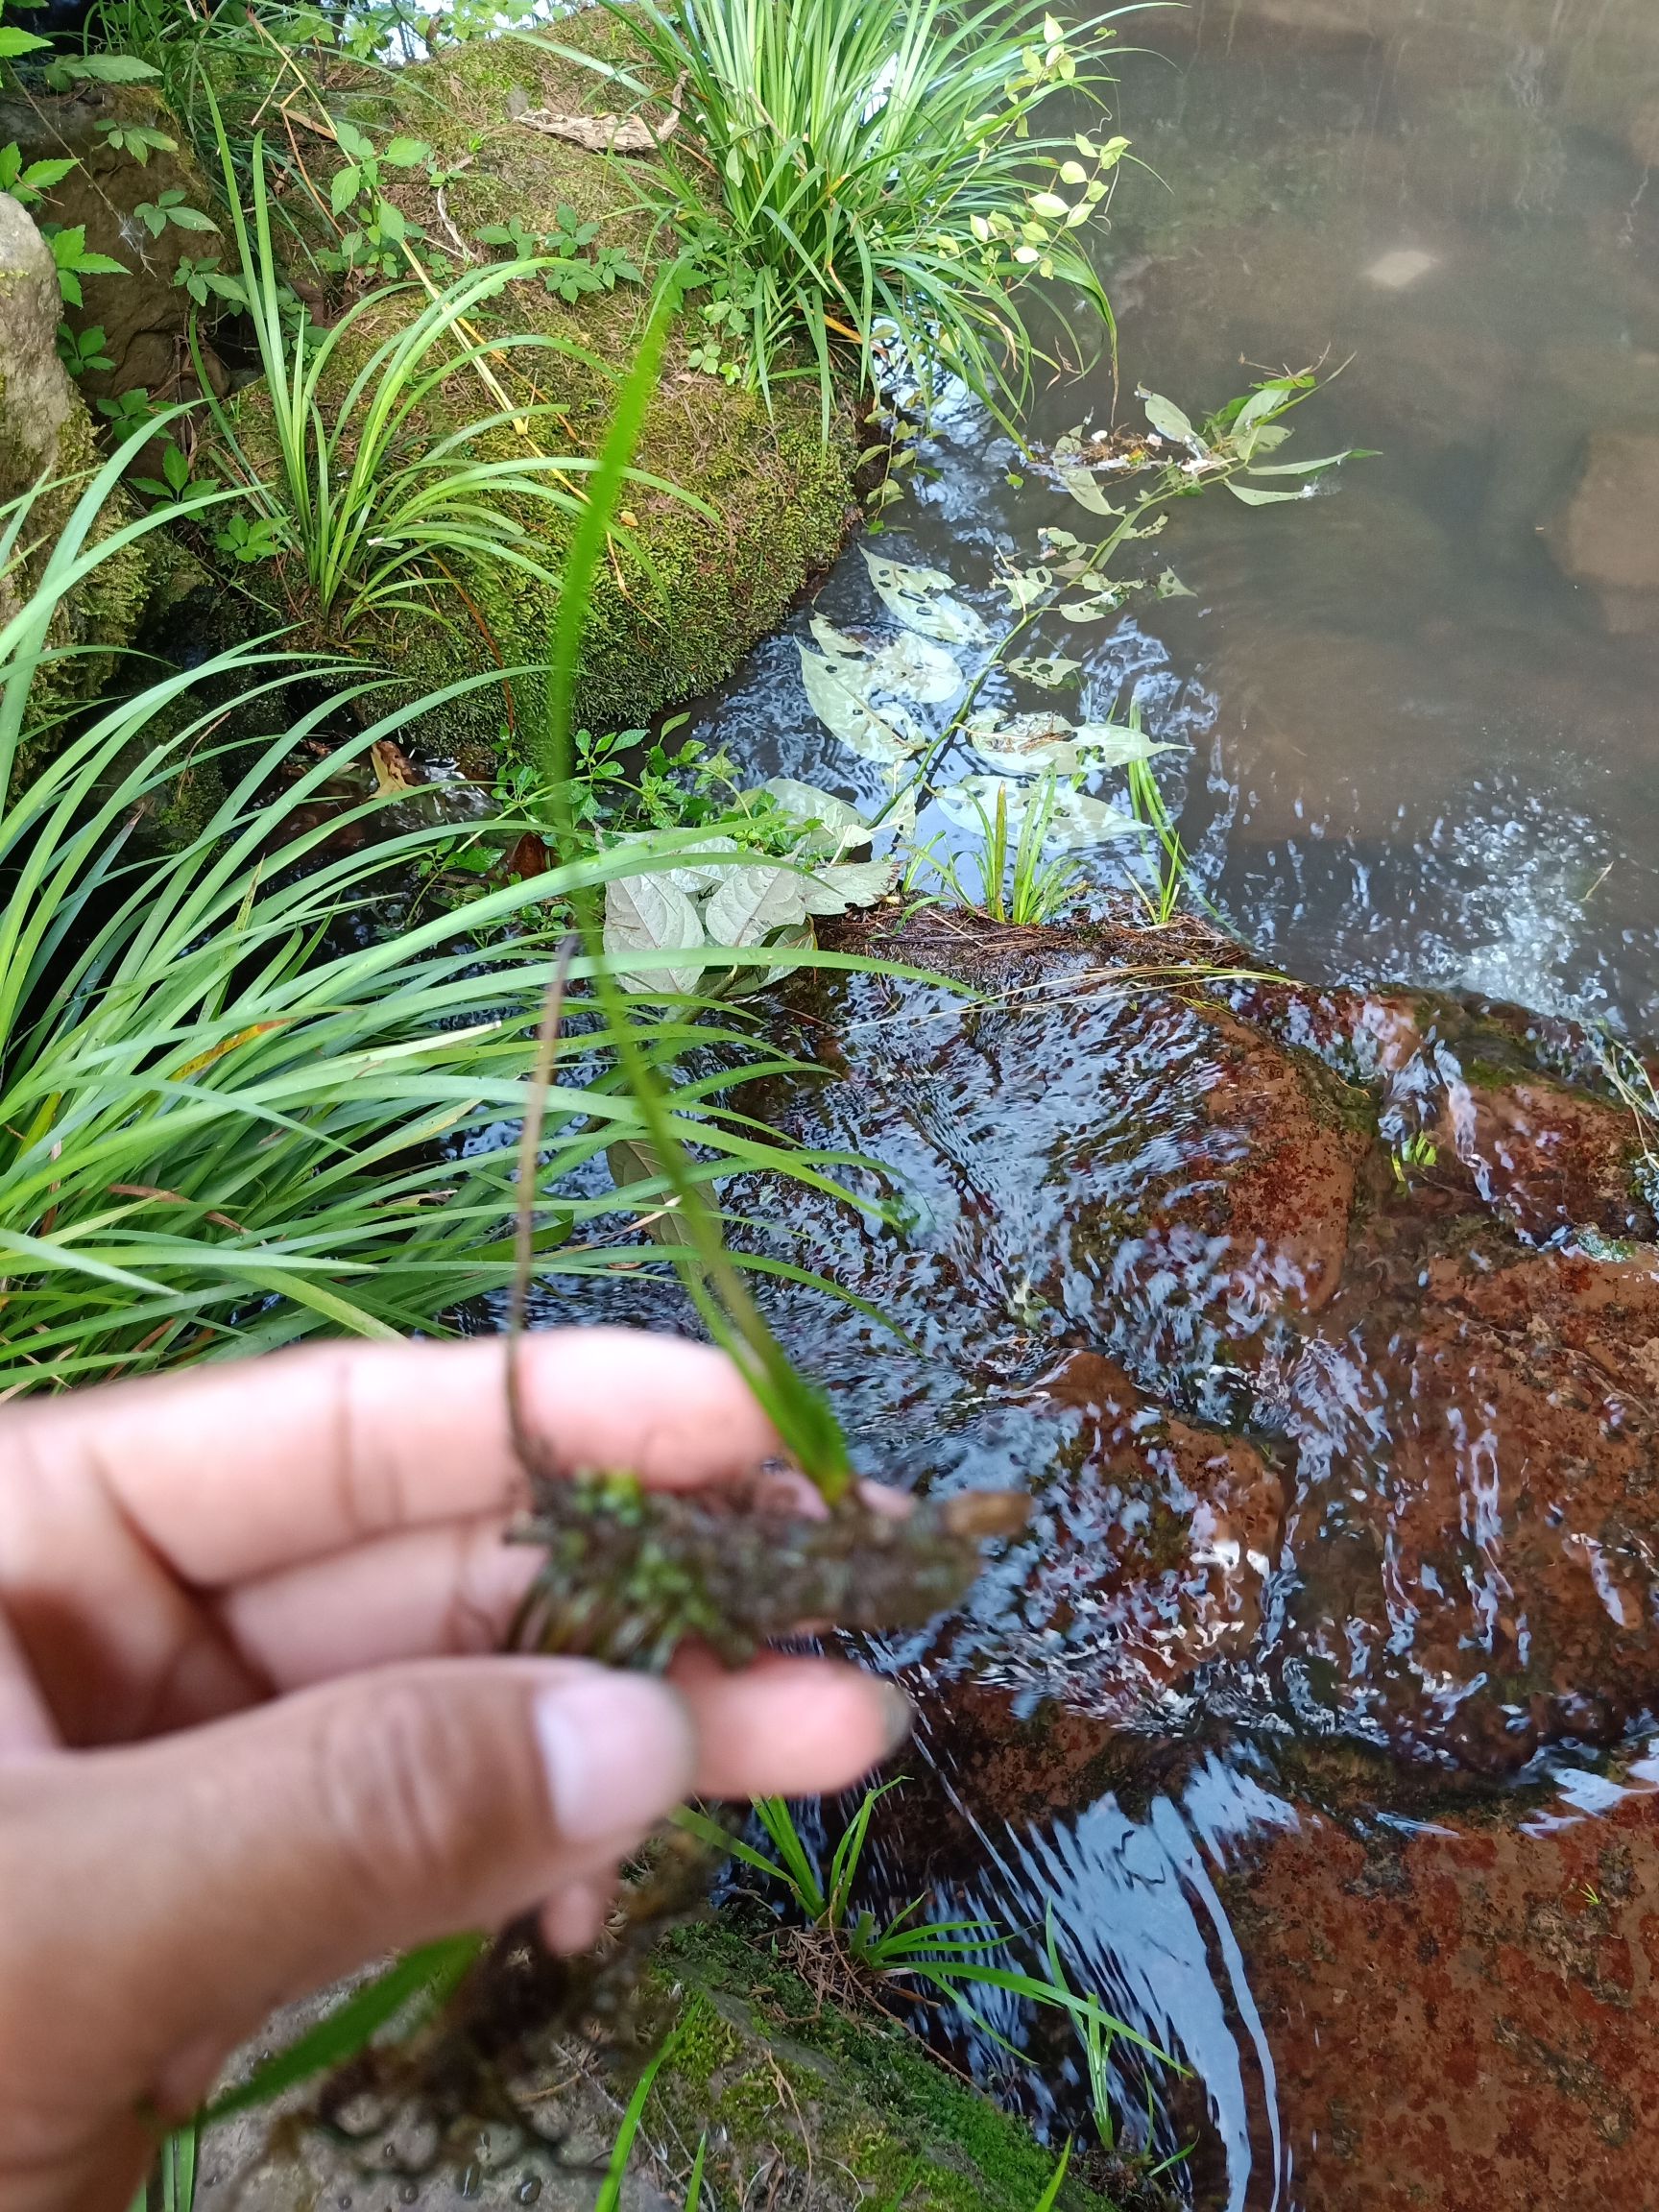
column 46, row 439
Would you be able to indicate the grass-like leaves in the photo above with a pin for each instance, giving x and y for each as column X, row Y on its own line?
column 233, row 1109
column 882, row 174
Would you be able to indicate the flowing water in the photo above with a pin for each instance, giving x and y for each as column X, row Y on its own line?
column 1291, row 1720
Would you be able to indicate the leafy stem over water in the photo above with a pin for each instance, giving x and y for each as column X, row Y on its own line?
column 1177, row 461
column 800, row 1412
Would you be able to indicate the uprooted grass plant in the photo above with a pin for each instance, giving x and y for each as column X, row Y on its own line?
column 870, row 179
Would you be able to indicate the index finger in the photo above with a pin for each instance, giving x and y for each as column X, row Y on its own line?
column 240, row 1468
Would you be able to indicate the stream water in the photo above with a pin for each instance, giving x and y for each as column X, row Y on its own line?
column 1415, row 721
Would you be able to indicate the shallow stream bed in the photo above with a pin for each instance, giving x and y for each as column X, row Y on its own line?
column 1264, row 1768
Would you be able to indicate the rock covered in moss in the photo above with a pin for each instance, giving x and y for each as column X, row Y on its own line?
column 837, row 2110
column 46, row 439
column 142, row 313
column 690, row 584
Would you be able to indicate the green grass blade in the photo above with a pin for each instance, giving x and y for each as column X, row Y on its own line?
column 424, row 1979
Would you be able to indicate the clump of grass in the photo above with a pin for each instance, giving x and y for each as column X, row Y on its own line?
column 901, row 1952
column 234, row 1115
column 1017, row 882
column 365, row 505
column 1171, row 862
column 1631, row 1077
column 883, row 182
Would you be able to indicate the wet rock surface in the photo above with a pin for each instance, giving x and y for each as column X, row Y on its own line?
column 1323, row 1326
column 1299, row 1313
column 1460, row 2017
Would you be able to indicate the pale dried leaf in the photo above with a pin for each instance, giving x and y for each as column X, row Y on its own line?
column 393, row 770
column 847, row 883
column 1115, row 744
column 751, row 903
column 921, row 599
column 651, row 914
column 606, row 134
column 840, row 826
column 1048, row 670
column 888, row 735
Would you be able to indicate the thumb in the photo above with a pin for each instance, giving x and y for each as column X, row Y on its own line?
column 162, row 1900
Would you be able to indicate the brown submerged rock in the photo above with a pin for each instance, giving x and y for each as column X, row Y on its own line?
column 1474, row 1530
column 1156, row 1542
column 1297, row 1312
column 1461, row 2018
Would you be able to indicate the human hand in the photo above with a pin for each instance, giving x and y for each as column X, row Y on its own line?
column 255, row 1729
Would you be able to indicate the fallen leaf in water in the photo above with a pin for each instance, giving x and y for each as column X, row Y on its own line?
column 393, row 770
column 1404, row 267
column 922, row 600
column 1047, row 670
column 887, row 734
column 908, row 666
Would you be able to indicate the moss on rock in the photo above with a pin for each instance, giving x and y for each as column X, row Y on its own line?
column 47, row 447
column 686, row 592
column 852, row 2111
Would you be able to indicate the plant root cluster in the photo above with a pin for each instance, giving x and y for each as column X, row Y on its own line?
column 628, row 1576
column 632, row 1574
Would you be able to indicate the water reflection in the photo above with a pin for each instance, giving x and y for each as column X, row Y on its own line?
column 1418, row 722
column 1136, row 1917
column 1421, row 707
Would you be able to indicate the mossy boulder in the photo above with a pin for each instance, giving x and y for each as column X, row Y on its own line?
column 142, row 313
column 841, row 2110
column 846, row 2109
column 46, row 439
column 684, row 593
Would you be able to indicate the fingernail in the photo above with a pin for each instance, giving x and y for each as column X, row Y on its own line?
column 897, row 1715
column 618, row 1751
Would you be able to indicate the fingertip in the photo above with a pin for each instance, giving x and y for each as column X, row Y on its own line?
column 789, row 1727
column 573, row 1920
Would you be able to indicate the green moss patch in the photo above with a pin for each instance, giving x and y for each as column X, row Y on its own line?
column 853, row 2111
column 684, row 593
